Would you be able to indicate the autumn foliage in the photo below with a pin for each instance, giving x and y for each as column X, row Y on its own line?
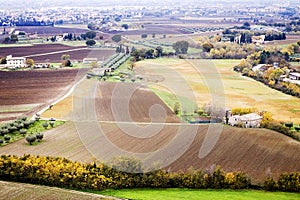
column 61, row 172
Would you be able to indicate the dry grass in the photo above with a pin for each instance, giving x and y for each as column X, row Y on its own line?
column 62, row 110
column 205, row 76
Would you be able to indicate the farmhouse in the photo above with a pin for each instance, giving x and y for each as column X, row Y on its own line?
column 295, row 76
column 15, row 62
column 251, row 120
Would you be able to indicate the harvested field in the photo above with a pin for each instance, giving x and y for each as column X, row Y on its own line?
column 53, row 52
column 214, row 80
column 25, row 91
column 290, row 39
column 76, row 54
column 49, row 30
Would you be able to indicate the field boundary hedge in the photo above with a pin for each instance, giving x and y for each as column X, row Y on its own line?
column 61, row 172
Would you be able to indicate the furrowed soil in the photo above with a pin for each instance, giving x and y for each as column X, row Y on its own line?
column 24, row 92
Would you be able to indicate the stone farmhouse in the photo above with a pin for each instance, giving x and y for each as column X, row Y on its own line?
column 251, row 120
column 15, row 62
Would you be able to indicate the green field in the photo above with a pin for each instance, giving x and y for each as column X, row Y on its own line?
column 173, row 194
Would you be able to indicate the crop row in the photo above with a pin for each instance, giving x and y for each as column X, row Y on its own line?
column 198, row 30
column 112, row 60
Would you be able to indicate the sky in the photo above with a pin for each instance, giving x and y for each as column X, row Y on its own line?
column 16, row 4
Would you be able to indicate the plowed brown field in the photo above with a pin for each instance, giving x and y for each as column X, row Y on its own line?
column 35, row 88
column 53, row 52
column 257, row 152
column 131, row 102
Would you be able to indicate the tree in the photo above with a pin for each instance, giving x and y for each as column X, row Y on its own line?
column 30, row 139
column 52, row 123
column 90, row 42
column 181, row 47
column 29, row 62
column 275, row 74
column 159, row 51
column 39, row 136
column 6, row 138
column 246, row 25
column 176, row 108
column 14, row 38
column 23, row 131
column 45, row 125
column 91, row 34
column 83, row 36
column 3, row 61
column 144, row 36
column 125, row 26
column 116, row 38
column 67, row 63
column 127, row 50
column 149, row 53
column 207, row 46
column 65, row 57
column 127, row 164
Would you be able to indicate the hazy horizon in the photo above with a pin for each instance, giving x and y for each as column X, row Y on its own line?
column 16, row 4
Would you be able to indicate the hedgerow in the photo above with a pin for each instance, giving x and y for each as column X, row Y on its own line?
column 61, row 172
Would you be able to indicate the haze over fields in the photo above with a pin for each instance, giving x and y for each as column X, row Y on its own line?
column 13, row 4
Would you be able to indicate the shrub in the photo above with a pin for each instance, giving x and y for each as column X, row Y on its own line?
column 12, row 129
column 289, row 182
column 23, row 131
column 1, row 142
column 288, row 124
column 3, row 131
column 242, row 111
column 270, row 184
column 275, row 126
column 6, row 138
column 241, row 181
column 30, row 139
column 19, row 125
column 297, row 128
column 45, row 125
column 52, row 123
column 39, row 136
column 27, row 124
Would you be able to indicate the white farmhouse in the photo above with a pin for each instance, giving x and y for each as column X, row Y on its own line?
column 251, row 120
column 295, row 76
column 15, row 62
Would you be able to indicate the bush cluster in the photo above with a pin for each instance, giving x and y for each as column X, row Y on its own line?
column 288, row 182
column 281, row 128
column 60, row 172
